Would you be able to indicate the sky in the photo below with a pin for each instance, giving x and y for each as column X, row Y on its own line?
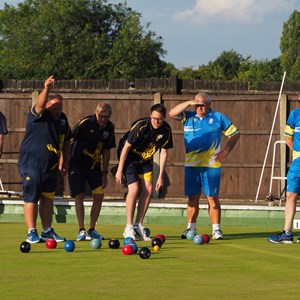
column 195, row 32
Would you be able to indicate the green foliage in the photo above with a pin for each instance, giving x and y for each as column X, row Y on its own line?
column 91, row 39
column 231, row 66
column 226, row 66
column 76, row 39
column 188, row 73
column 258, row 71
column 135, row 52
column 290, row 46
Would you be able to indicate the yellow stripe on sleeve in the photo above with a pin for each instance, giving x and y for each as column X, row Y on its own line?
column 231, row 130
column 289, row 131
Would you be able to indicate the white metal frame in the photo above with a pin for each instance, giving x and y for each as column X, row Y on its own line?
column 9, row 193
column 270, row 197
column 270, row 137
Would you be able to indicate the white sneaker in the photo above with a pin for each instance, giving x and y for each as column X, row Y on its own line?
column 217, row 235
column 140, row 233
column 129, row 232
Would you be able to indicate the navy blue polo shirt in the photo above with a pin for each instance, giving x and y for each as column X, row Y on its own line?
column 43, row 141
column 146, row 140
column 90, row 141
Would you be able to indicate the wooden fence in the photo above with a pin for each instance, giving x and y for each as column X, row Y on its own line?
column 251, row 111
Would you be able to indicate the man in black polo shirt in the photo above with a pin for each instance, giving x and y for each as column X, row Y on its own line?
column 145, row 137
column 44, row 149
column 93, row 136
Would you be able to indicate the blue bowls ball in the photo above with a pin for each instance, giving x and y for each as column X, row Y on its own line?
column 69, row 246
column 95, row 243
column 198, row 240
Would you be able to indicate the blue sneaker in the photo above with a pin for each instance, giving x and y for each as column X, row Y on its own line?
column 50, row 234
column 93, row 234
column 83, row 236
column 298, row 238
column 33, row 237
column 282, row 238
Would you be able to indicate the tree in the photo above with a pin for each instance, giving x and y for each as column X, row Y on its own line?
column 226, row 66
column 76, row 39
column 258, row 71
column 188, row 73
column 131, row 44
column 290, row 46
column 264, row 71
column 295, row 71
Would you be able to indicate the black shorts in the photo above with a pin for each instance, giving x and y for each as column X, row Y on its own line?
column 78, row 176
column 135, row 170
column 36, row 183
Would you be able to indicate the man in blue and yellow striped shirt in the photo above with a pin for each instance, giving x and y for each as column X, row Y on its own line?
column 292, row 136
column 203, row 130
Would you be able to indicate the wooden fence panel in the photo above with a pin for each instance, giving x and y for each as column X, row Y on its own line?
column 251, row 112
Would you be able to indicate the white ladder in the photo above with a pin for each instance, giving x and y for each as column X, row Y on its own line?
column 270, row 197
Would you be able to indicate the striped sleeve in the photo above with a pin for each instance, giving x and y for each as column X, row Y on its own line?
column 289, row 131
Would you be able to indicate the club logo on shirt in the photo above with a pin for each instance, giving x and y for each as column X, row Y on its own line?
column 105, row 134
column 158, row 137
column 63, row 122
column 211, row 121
column 92, row 131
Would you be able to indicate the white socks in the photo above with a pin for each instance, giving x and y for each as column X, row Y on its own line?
column 192, row 226
column 215, row 227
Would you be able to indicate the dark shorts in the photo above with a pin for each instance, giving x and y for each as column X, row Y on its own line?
column 135, row 170
column 79, row 176
column 36, row 183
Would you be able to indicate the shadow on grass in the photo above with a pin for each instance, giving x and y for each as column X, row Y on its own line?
column 236, row 236
column 249, row 235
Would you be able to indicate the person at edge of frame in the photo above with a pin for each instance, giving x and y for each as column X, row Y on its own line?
column 292, row 138
column 92, row 138
column 135, row 153
column 203, row 130
column 44, row 150
column 3, row 131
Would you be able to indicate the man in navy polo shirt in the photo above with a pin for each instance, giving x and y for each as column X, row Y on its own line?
column 93, row 137
column 44, row 149
column 136, row 150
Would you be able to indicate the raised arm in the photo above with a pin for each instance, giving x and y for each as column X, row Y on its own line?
column 175, row 112
column 43, row 96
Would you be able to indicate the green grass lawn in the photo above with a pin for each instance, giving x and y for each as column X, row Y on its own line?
column 243, row 266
